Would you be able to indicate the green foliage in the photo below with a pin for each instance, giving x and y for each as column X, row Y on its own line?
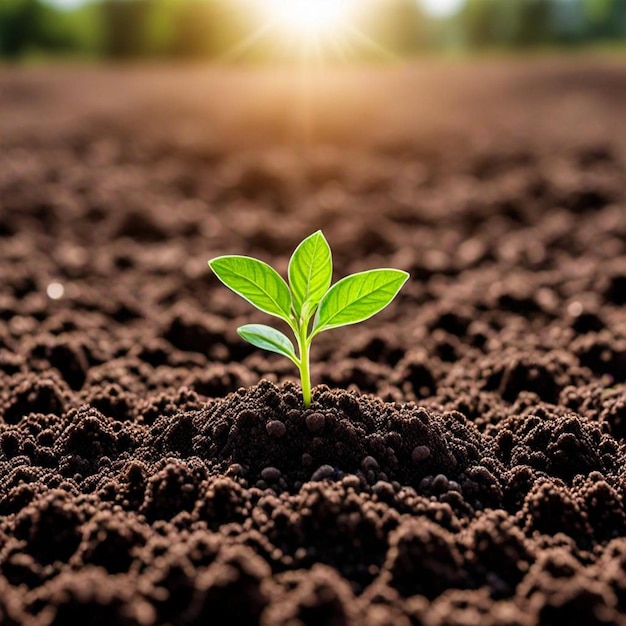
column 256, row 282
column 85, row 32
column 30, row 27
column 515, row 23
column 268, row 338
column 21, row 25
column 309, row 293
column 606, row 18
column 356, row 298
column 310, row 273
column 126, row 26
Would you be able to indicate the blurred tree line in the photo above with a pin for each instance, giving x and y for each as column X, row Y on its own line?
column 526, row 23
column 212, row 28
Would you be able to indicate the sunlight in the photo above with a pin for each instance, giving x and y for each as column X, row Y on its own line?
column 442, row 8
column 309, row 19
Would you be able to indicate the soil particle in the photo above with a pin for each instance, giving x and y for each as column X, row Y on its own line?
column 420, row 453
column 315, row 422
column 276, row 428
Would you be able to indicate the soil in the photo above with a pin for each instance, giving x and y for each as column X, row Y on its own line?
column 463, row 459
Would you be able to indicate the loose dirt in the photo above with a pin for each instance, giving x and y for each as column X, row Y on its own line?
column 463, row 459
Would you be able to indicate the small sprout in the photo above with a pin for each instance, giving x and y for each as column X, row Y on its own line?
column 309, row 305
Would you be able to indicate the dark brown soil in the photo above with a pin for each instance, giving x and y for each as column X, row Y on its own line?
column 463, row 460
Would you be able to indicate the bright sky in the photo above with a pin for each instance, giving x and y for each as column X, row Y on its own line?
column 441, row 8
column 66, row 3
column 436, row 7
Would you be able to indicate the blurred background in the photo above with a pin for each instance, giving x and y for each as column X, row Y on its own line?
column 250, row 31
column 187, row 129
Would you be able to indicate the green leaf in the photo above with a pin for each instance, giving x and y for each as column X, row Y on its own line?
column 310, row 273
column 268, row 338
column 256, row 282
column 358, row 297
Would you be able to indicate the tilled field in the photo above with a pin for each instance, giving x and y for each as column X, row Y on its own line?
column 463, row 460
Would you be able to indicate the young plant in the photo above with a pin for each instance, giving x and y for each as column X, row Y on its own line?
column 308, row 304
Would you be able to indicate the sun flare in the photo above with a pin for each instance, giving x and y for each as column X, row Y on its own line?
column 309, row 18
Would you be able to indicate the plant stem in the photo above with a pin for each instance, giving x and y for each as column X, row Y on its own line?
column 305, row 373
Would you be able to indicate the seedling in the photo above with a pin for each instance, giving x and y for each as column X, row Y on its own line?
column 308, row 304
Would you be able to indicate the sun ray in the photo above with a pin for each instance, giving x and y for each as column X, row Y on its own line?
column 373, row 45
column 244, row 46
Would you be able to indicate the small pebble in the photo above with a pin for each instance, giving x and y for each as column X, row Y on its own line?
column 307, row 459
column 275, row 428
column 383, row 489
column 369, row 463
column 441, row 483
column 315, row 422
column 421, row 453
column 323, row 472
column 351, row 482
column 234, row 470
column 270, row 474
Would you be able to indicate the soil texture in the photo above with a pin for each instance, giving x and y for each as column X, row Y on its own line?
column 463, row 460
